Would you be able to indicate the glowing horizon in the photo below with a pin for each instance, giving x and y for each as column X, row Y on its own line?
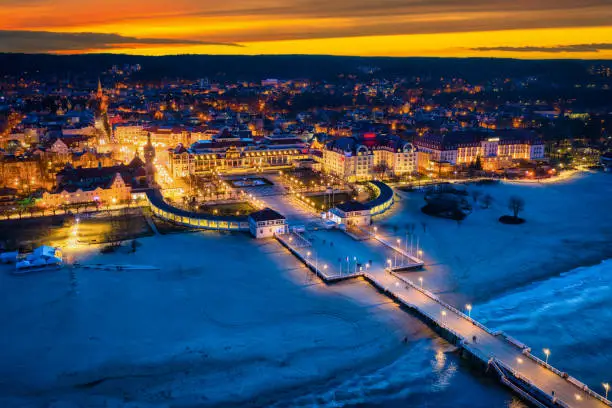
column 550, row 29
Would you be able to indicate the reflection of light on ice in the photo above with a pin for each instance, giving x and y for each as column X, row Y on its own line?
column 440, row 360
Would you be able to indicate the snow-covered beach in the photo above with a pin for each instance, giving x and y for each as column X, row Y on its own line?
column 569, row 224
column 228, row 320
column 224, row 319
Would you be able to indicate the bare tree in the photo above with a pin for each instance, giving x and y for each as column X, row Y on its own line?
column 410, row 227
column 516, row 204
column 487, row 200
column 424, row 225
column 476, row 195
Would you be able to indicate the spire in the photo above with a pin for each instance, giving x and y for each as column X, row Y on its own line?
column 100, row 90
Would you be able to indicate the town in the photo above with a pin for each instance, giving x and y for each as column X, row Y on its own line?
column 360, row 177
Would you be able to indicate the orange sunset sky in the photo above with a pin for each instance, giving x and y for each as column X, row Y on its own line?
column 447, row 28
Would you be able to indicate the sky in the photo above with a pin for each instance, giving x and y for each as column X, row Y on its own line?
column 439, row 28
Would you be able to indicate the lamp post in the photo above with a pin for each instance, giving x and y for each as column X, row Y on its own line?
column 546, row 353
column 389, row 263
column 519, row 361
column 607, row 388
column 421, row 281
column 444, row 317
column 399, row 241
column 469, row 310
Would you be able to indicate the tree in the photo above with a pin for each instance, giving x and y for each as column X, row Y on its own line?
column 516, row 204
column 381, row 169
column 424, row 225
column 476, row 195
column 487, row 200
column 478, row 163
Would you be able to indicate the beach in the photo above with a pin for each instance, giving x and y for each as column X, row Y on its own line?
column 222, row 319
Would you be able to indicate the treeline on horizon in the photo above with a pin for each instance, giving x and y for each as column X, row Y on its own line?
column 315, row 67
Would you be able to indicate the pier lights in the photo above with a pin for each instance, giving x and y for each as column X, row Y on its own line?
column 546, row 353
column 389, row 263
column 607, row 388
column 519, row 361
column 421, row 281
column 325, row 266
column 308, row 254
column 469, row 310
column 443, row 313
column 578, row 397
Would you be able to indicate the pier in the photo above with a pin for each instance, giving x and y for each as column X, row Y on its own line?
column 535, row 381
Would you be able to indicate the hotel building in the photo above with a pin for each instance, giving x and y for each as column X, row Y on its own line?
column 362, row 158
column 230, row 154
column 496, row 150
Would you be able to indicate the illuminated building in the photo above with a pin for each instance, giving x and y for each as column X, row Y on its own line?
column 130, row 133
column 496, row 150
column 99, row 185
column 266, row 223
column 363, row 158
column 149, row 154
column 229, row 154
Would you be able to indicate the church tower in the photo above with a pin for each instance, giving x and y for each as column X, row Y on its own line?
column 149, row 155
column 100, row 93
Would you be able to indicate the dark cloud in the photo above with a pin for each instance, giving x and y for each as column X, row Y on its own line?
column 376, row 27
column 381, row 8
column 553, row 49
column 47, row 41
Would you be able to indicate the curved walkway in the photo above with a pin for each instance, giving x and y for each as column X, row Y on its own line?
column 191, row 219
column 384, row 199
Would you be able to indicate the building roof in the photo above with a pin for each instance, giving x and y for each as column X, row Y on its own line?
column 267, row 214
column 370, row 140
column 351, row 206
column 454, row 140
column 386, row 194
column 88, row 179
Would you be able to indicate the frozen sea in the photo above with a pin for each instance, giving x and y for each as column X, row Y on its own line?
column 569, row 314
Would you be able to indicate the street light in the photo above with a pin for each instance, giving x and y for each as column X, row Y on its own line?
column 421, row 281
column 469, row 309
column 607, row 388
column 547, row 353
column 519, row 361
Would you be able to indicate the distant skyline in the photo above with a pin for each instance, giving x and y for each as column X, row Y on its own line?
column 442, row 28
